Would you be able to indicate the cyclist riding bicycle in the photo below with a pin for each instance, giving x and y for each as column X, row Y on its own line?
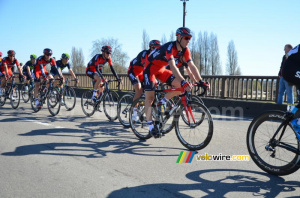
column 7, row 68
column 61, row 65
column 135, row 72
column 291, row 73
column 94, row 69
column 41, row 72
column 28, row 70
column 155, row 68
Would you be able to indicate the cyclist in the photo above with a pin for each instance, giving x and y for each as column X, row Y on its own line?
column 7, row 67
column 0, row 56
column 61, row 65
column 40, row 71
column 135, row 72
column 155, row 68
column 291, row 73
column 94, row 69
column 28, row 70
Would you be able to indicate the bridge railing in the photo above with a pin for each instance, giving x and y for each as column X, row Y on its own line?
column 262, row 88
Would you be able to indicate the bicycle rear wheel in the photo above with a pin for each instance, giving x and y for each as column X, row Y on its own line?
column 124, row 105
column 87, row 104
column 278, row 156
column 15, row 97
column 53, row 101
column 140, row 127
column 69, row 97
column 198, row 134
column 110, row 105
column 25, row 94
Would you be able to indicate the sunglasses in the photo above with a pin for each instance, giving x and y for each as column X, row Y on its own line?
column 187, row 38
column 11, row 55
column 48, row 54
column 108, row 52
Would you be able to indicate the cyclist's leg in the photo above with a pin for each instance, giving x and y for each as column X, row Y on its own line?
column 37, row 83
column 135, row 75
column 166, row 76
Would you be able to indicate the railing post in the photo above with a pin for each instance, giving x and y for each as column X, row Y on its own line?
column 277, row 89
column 223, row 87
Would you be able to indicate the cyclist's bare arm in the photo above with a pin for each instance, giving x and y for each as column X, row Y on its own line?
column 195, row 71
column 191, row 75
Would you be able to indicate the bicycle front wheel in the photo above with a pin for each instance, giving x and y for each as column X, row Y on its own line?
column 124, row 105
column 2, row 97
column 278, row 155
column 197, row 134
column 25, row 94
column 87, row 104
column 69, row 97
column 110, row 105
column 140, row 126
column 53, row 101
column 15, row 97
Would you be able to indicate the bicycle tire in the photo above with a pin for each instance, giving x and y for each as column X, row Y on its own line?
column 25, row 94
column 110, row 105
column 2, row 97
column 139, row 128
column 15, row 97
column 124, row 105
column 87, row 104
column 32, row 102
column 69, row 97
column 266, row 124
column 53, row 101
column 201, row 131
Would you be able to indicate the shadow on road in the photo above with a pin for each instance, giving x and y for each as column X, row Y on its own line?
column 217, row 183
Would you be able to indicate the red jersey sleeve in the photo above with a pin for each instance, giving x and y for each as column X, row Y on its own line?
column 110, row 61
column 187, row 55
column 52, row 62
column 17, row 63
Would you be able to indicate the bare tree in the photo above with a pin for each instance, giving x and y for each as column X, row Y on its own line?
column 163, row 39
column 206, row 53
column 172, row 36
column 214, row 55
column 77, row 60
column 119, row 58
column 200, row 50
column 146, row 40
column 232, row 60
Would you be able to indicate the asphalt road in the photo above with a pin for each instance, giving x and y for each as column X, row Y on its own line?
column 73, row 156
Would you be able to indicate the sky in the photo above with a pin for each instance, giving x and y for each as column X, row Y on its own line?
column 258, row 28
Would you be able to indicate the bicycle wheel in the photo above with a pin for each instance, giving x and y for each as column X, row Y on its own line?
column 15, row 97
column 69, row 97
column 25, row 94
column 87, row 104
column 279, row 156
column 193, row 98
column 198, row 134
column 2, row 97
column 32, row 102
column 140, row 127
column 168, row 124
column 110, row 105
column 124, row 105
column 53, row 101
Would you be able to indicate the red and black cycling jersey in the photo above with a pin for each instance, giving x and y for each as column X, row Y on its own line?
column 98, row 61
column 41, row 64
column 141, row 58
column 10, row 64
column 161, row 56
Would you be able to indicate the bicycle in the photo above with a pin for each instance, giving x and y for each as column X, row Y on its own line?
column 126, row 101
column 12, row 92
column 68, row 94
column 197, row 115
column 50, row 94
column 108, row 97
column 273, row 144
